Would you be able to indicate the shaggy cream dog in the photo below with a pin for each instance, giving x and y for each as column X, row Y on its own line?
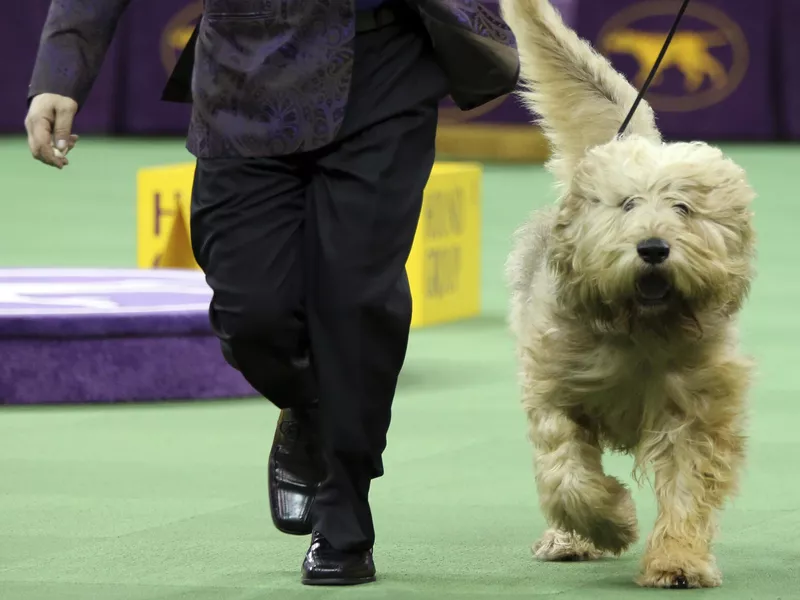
column 624, row 304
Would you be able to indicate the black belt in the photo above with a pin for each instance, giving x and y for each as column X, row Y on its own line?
column 367, row 20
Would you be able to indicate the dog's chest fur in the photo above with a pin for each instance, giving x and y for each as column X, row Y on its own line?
column 619, row 408
column 620, row 387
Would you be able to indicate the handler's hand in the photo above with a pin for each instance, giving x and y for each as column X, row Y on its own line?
column 49, row 126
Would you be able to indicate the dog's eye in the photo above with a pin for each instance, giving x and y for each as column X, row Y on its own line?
column 629, row 204
column 681, row 208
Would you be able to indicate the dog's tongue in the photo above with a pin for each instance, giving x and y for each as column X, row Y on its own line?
column 652, row 286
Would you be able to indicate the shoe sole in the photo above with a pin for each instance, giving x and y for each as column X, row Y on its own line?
column 338, row 582
column 300, row 532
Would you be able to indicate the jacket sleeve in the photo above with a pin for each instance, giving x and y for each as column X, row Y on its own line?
column 74, row 42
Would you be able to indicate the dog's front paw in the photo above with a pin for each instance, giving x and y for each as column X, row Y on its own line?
column 564, row 546
column 613, row 536
column 679, row 572
column 614, row 529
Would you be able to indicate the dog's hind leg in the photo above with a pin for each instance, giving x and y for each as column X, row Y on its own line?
column 574, row 492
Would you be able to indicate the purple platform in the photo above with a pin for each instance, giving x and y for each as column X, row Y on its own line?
column 109, row 335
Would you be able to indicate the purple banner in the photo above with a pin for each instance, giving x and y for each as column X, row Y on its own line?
column 20, row 31
column 789, row 73
column 719, row 79
column 715, row 80
column 159, row 30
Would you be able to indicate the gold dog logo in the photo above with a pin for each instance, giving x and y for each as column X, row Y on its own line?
column 177, row 33
column 704, row 64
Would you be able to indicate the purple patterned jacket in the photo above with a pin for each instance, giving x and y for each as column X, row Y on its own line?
column 271, row 77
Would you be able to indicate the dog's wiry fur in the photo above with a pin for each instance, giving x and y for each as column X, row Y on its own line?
column 601, row 366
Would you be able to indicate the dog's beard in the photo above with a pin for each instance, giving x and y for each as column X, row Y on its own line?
column 645, row 301
column 653, row 289
column 665, row 318
column 611, row 289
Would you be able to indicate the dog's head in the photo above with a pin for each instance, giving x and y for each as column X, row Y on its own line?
column 647, row 229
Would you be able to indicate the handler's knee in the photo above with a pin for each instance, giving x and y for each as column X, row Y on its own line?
column 266, row 341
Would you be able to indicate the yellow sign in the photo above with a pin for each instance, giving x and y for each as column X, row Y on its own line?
column 163, row 195
column 709, row 52
column 443, row 268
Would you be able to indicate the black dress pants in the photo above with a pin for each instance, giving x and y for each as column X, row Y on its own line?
column 306, row 256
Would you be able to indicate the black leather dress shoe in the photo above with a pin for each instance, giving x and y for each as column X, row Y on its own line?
column 324, row 565
column 296, row 469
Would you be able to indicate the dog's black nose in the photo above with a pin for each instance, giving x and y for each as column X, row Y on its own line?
column 653, row 251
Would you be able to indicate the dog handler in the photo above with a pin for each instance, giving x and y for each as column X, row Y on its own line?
column 313, row 124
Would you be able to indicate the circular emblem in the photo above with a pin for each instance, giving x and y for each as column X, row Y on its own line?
column 705, row 63
column 61, row 292
column 177, row 33
column 450, row 114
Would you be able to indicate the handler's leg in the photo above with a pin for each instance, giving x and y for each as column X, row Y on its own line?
column 366, row 202
column 248, row 220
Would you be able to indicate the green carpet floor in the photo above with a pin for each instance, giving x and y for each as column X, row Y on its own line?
column 169, row 501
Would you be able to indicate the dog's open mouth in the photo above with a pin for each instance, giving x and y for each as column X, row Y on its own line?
column 653, row 288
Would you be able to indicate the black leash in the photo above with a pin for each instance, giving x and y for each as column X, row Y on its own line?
column 654, row 70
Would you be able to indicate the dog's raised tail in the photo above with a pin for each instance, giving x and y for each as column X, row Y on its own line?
column 579, row 98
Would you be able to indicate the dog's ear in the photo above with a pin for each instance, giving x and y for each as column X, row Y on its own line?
column 579, row 98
